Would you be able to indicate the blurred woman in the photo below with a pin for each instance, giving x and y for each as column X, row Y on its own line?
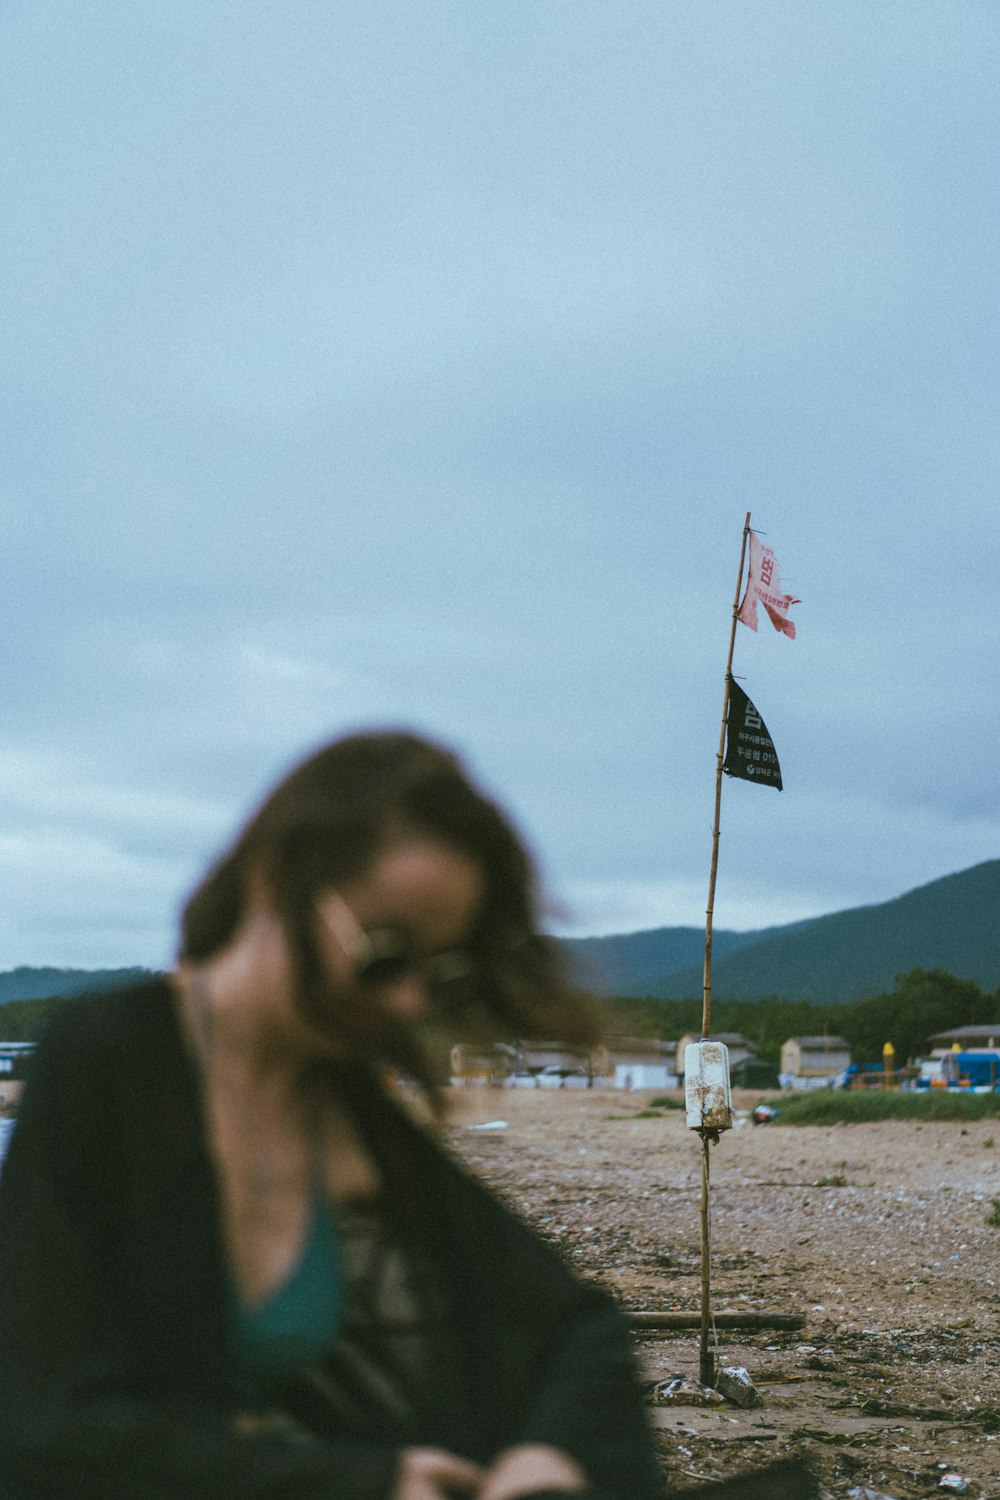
column 232, row 1265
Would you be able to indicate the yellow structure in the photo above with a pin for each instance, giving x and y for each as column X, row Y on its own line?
column 890, row 1079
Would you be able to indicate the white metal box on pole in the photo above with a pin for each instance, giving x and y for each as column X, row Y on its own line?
column 706, row 1086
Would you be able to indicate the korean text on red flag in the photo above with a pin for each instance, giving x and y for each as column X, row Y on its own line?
column 763, row 583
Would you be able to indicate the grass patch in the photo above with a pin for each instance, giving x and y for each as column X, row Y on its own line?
column 667, row 1101
column 845, row 1107
column 993, row 1217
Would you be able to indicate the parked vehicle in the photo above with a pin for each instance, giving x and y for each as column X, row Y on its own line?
column 978, row 1072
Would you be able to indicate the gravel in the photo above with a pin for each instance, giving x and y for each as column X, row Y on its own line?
column 875, row 1234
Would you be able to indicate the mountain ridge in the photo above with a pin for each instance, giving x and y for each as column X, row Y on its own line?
column 949, row 923
column 46, row 982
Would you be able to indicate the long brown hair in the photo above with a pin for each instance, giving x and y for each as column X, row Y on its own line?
column 329, row 818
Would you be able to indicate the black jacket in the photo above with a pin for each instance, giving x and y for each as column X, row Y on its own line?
column 116, row 1371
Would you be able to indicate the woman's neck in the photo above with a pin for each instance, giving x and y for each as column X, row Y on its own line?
column 237, row 1043
column 272, row 1115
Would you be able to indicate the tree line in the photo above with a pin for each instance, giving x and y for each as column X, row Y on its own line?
column 921, row 1003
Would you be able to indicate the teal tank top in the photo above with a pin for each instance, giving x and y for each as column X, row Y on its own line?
column 297, row 1324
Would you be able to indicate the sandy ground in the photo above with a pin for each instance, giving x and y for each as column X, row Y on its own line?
column 875, row 1234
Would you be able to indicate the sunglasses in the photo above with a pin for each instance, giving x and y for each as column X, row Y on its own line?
column 383, row 958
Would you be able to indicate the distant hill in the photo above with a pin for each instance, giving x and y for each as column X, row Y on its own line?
column 634, row 963
column 41, row 984
column 951, row 924
column 642, row 963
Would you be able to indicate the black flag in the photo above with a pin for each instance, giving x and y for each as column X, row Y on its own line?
column 750, row 752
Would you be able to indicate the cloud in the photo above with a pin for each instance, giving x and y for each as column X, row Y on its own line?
column 94, row 871
column 54, row 789
column 420, row 369
column 82, row 900
column 627, row 906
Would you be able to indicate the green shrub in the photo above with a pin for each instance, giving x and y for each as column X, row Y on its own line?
column 846, row 1107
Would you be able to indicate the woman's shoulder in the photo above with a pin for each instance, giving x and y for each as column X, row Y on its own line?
column 108, row 1020
column 96, row 1056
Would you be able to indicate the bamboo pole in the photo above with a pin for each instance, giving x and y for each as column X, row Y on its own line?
column 706, row 1358
column 706, row 1012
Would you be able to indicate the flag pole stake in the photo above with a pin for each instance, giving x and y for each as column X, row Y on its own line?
column 706, row 1356
column 706, row 1012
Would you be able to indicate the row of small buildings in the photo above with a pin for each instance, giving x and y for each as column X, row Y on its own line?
column 620, row 1061
column 641, row 1062
column 650, row 1063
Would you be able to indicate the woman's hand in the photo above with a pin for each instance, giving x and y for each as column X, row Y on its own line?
column 435, row 1474
column 529, row 1468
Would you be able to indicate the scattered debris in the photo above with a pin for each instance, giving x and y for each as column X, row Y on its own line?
column 735, row 1384
column 862, row 1492
column 914, row 1334
column 872, row 1407
column 952, row 1481
column 489, row 1125
column 682, row 1390
column 819, row 1362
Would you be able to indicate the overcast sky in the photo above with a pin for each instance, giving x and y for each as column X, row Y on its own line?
column 416, row 364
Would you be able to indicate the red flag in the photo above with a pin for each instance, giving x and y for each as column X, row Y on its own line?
column 764, row 584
